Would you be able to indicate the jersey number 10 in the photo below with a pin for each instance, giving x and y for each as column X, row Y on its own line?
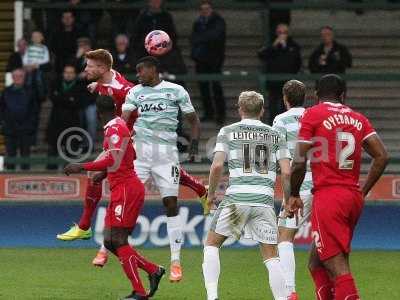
column 255, row 158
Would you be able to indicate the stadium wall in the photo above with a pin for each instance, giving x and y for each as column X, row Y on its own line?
column 33, row 209
column 35, row 224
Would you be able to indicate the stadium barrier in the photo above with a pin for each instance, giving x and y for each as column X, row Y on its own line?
column 24, row 187
column 36, row 225
column 34, row 208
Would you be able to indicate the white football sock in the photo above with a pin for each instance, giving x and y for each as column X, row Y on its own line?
column 103, row 249
column 276, row 279
column 211, row 270
column 174, row 229
column 286, row 255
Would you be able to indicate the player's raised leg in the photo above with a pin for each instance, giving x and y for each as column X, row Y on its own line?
column 93, row 195
column 199, row 188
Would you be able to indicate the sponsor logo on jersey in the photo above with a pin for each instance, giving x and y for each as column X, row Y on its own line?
column 156, row 107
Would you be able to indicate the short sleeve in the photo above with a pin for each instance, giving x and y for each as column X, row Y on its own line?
column 279, row 126
column 307, row 127
column 368, row 129
column 130, row 102
column 113, row 138
column 222, row 142
column 184, row 102
column 282, row 149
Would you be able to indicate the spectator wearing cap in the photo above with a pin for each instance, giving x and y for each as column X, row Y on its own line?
column 121, row 55
column 17, row 113
column 208, row 52
column 330, row 56
column 283, row 56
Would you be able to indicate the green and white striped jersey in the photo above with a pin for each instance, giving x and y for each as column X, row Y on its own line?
column 158, row 111
column 253, row 150
column 288, row 125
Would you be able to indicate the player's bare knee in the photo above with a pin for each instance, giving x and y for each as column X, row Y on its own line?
column 286, row 235
column 214, row 239
column 268, row 251
column 337, row 265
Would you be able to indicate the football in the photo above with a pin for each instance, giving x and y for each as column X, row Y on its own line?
column 157, row 43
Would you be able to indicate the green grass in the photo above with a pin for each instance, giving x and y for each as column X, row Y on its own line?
column 68, row 274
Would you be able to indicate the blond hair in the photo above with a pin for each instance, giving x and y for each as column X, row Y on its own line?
column 101, row 55
column 251, row 103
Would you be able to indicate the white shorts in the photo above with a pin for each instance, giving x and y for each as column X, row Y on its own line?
column 162, row 164
column 295, row 223
column 252, row 222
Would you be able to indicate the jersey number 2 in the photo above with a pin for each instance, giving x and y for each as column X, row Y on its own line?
column 259, row 154
column 347, row 151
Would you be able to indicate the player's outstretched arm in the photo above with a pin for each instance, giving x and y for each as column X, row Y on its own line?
column 216, row 171
column 194, row 123
column 374, row 147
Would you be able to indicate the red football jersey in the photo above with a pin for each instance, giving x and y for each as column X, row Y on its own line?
column 117, row 89
column 118, row 155
column 336, row 133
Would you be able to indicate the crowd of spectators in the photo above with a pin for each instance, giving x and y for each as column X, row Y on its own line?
column 49, row 65
column 284, row 56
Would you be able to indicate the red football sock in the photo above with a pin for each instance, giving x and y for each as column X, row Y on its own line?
column 128, row 261
column 345, row 288
column 92, row 197
column 144, row 264
column 191, row 182
column 323, row 284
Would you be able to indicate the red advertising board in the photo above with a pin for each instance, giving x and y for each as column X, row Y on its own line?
column 42, row 187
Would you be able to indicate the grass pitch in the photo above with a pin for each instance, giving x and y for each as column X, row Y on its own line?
column 68, row 274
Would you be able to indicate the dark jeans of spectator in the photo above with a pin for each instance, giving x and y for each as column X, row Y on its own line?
column 22, row 144
column 275, row 102
column 205, row 93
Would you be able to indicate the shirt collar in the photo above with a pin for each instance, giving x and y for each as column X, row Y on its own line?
column 250, row 121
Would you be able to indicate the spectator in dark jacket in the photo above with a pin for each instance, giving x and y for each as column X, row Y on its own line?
column 121, row 19
column 329, row 56
column 283, row 56
column 208, row 53
column 66, row 96
column 15, row 59
column 84, row 45
column 17, row 106
column 88, row 100
column 121, row 55
column 151, row 18
column 63, row 41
